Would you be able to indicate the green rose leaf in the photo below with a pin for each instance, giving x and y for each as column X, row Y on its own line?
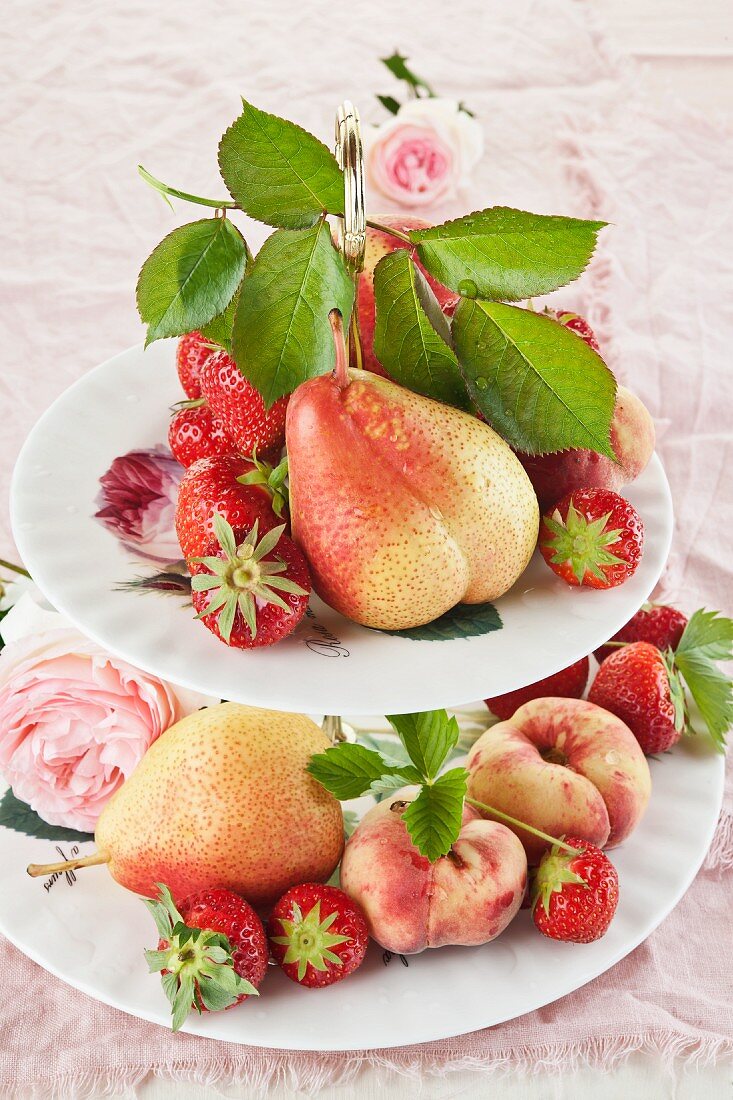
column 462, row 621
column 507, row 254
column 19, row 817
column 412, row 336
column 190, row 277
column 282, row 335
column 434, row 819
column 277, row 172
column 540, row 387
column 428, row 738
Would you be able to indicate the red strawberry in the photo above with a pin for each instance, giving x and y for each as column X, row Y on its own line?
column 192, row 352
column 637, row 684
column 645, row 688
column 194, row 433
column 213, row 485
column 317, row 934
column 569, row 683
column 212, row 953
column 592, row 537
column 656, row 623
column 574, row 896
column 240, row 408
column 578, row 325
column 237, row 586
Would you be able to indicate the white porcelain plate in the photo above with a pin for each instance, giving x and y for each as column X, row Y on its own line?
column 329, row 665
column 91, row 933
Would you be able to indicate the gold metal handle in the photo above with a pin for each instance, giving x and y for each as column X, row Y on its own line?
column 350, row 157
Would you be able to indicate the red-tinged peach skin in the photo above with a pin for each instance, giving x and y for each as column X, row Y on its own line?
column 466, row 898
column 564, row 766
column 379, row 244
column 403, row 506
column 632, row 438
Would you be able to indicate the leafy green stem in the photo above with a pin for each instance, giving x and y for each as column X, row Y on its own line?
column 391, row 230
column 520, row 824
column 14, row 568
column 164, row 189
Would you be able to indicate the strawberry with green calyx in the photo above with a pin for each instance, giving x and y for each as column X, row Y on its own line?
column 592, row 537
column 212, row 486
column 645, row 688
column 236, row 586
column 658, row 624
column 273, row 477
column 574, row 896
column 194, row 432
column 317, row 934
column 211, row 954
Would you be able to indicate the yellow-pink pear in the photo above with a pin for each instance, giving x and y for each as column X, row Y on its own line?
column 223, row 798
column 403, row 506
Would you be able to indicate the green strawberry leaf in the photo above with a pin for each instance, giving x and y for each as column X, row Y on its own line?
column 282, row 335
column 277, row 172
column 507, row 254
column 712, row 691
column 219, row 329
column 190, row 277
column 348, row 770
column 434, row 819
column 19, row 817
column 710, row 634
column 536, row 383
column 428, row 738
column 462, row 621
column 412, row 337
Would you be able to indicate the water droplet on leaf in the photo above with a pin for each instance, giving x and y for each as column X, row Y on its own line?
column 482, row 383
column 467, row 288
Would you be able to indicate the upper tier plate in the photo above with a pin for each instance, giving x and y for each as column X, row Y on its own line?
column 329, row 665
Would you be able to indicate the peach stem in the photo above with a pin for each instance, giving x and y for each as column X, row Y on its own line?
column 340, row 370
column 521, row 825
column 38, row 870
column 390, row 230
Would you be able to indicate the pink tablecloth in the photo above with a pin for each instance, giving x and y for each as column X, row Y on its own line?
column 90, row 90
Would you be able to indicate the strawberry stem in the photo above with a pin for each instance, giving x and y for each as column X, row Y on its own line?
column 521, row 825
column 39, row 870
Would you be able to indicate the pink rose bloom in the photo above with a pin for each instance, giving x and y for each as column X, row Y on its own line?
column 423, row 153
column 74, row 720
column 137, row 502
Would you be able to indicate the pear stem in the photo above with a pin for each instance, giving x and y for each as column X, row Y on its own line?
column 39, row 870
column 356, row 338
column 521, row 825
column 337, row 327
column 390, row 230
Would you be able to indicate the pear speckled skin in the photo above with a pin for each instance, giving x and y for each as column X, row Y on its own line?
column 403, row 506
column 222, row 799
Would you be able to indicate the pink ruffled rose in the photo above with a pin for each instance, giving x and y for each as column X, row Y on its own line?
column 423, row 153
column 74, row 720
column 137, row 502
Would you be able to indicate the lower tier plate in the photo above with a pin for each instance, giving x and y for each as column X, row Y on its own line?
column 87, row 930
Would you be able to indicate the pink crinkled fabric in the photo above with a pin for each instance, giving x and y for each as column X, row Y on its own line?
column 89, row 93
